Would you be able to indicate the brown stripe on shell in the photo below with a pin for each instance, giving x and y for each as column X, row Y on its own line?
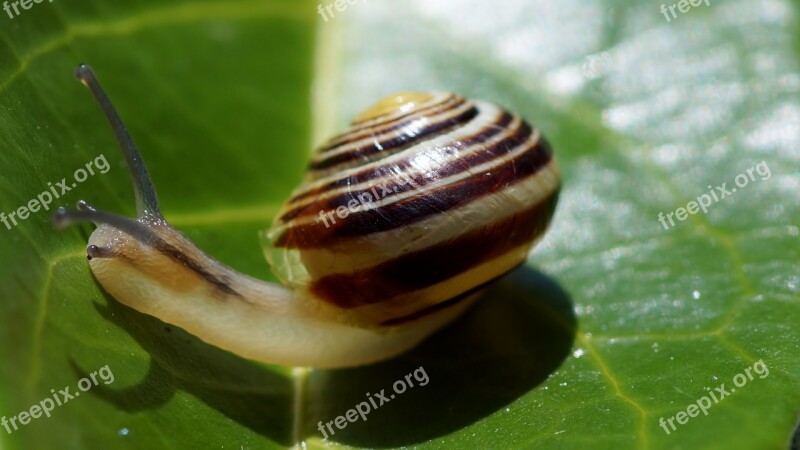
column 455, row 164
column 418, row 208
column 398, row 142
column 354, row 134
column 430, row 266
column 357, row 127
column 390, row 169
column 389, row 108
column 424, row 312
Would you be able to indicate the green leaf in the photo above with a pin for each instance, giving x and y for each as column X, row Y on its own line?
column 614, row 324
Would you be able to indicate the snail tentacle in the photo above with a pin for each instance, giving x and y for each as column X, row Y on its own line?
column 146, row 197
column 94, row 251
column 86, row 213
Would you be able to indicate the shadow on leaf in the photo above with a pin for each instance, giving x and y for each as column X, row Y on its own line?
column 506, row 345
column 244, row 391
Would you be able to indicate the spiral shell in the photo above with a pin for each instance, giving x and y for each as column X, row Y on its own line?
column 423, row 200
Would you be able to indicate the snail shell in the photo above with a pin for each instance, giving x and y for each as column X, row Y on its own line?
column 399, row 224
column 424, row 198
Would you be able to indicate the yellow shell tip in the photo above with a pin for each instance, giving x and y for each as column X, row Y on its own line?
column 402, row 101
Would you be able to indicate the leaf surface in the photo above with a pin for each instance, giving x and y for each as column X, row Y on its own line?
column 614, row 324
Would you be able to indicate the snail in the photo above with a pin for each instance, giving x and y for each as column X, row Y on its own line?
column 400, row 223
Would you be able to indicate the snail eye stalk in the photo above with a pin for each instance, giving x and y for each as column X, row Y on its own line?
column 146, row 198
column 87, row 213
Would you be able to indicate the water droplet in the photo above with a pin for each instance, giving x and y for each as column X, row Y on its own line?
column 508, row 409
column 596, row 66
column 696, row 295
column 714, row 378
column 123, row 432
column 562, row 384
column 578, row 353
column 654, row 347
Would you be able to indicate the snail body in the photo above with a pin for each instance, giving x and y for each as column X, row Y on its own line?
column 400, row 223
